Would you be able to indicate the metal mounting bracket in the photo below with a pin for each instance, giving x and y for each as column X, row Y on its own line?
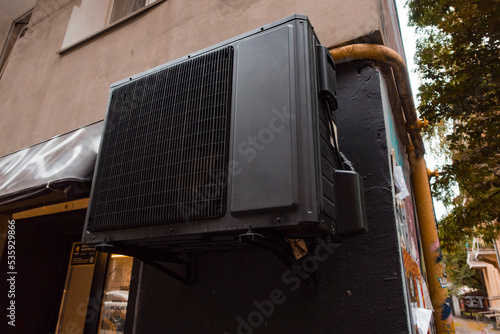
column 156, row 259
column 282, row 250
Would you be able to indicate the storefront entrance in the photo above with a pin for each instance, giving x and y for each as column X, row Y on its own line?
column 42, row 247
column 62, row 286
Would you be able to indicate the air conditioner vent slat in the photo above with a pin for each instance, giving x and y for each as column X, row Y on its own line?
column 164, row 152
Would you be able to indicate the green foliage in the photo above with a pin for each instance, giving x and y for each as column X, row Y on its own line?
column 459, row 272
column 458, row 59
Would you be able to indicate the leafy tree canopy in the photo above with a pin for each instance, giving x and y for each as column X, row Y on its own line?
column 459, row 61
column 460, row 273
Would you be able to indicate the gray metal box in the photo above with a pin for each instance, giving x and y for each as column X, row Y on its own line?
column 238, row 135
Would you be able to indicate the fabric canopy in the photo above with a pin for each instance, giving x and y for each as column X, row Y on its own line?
column 64, row 163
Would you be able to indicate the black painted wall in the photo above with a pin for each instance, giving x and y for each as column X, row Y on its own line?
column 360, row 288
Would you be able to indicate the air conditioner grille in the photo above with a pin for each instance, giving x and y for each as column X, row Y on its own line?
column 164, row 153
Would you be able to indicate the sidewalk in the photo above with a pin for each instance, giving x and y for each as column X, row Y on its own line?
column 468, row 326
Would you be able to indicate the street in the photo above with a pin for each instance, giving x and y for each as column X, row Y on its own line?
column 468, row 326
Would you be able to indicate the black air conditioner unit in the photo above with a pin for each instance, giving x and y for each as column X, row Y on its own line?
column 237, row 136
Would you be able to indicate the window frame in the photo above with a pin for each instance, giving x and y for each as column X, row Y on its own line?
column 149, row 5
column 113, row 4
column 13, row 37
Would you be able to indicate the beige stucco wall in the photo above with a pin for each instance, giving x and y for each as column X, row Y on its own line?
column 492, row 282
column 5, row 21
column 43, row 94
column 9, row 11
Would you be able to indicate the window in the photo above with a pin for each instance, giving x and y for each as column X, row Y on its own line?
column 89, row 269
column 122, row 8
column 92, row 17
column 17, row 31
column 116, row 291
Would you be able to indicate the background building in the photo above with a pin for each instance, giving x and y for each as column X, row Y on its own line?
column 483, row 256
column 60, row 58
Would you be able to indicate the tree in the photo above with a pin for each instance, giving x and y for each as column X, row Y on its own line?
column 460, row 273
column 459, row 62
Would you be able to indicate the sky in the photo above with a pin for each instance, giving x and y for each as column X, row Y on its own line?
column 409, row 42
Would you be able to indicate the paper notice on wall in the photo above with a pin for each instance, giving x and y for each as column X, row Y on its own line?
column 427, row 296
column 399, row 180
column 422, row 318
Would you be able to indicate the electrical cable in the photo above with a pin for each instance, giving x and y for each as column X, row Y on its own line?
column 332, row 135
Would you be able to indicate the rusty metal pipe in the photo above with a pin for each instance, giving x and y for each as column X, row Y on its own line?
column 387, row 57
column 436, row 276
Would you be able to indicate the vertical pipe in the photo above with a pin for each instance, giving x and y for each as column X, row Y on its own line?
column 389, row 58
column 430, row 244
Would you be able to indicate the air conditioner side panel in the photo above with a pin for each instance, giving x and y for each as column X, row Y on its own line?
column 264, row 169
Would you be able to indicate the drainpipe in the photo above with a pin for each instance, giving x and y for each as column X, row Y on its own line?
column 389, row 58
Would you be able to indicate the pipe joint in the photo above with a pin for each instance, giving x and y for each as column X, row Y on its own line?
column 419, row 124
column 432, row 174
column 389, row 58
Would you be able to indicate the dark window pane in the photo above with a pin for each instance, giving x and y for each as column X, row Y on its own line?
column 122, row 8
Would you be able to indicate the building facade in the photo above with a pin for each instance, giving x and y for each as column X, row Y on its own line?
column 483, row 257
column 57, row 65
